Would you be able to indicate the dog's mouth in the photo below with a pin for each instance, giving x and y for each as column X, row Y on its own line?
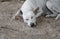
column 31, row 24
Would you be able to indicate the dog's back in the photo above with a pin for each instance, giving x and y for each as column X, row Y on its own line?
column 31, row 4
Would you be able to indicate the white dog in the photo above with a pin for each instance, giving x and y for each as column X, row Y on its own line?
column 31, row 9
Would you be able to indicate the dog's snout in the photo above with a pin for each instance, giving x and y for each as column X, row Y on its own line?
column 32, row 24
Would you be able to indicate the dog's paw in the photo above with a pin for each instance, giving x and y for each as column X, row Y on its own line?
column 57, row 17
column 47, row 16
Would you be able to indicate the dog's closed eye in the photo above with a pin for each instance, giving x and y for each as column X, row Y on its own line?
column 27, row 19
column 32, row 17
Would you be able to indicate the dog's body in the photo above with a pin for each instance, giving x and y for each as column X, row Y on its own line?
column 31, row 6
column 54, row 7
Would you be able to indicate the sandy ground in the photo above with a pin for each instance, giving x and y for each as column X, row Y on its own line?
column 47, row 28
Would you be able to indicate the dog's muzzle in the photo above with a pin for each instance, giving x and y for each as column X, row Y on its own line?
column 32, row 25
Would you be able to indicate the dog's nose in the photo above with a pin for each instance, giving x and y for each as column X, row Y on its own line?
column 32, row 24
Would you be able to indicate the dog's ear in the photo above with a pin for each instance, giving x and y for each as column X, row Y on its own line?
column 36, row 10
column 19, row 17
column 21, row 13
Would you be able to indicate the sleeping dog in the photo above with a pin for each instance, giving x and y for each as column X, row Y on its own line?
column 31, row 9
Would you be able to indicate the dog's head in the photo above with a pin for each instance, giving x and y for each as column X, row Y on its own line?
column 30, row 17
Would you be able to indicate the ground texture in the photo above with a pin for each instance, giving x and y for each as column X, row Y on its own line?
column 47, row 28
